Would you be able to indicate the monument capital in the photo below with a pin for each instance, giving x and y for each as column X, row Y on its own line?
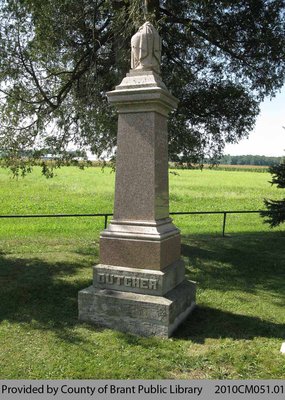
column 142, row 89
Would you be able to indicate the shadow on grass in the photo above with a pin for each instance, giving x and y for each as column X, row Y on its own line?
column 249, row 263
column 44, row 294
column 244, row 262
column 207, row 322
column 39, row 293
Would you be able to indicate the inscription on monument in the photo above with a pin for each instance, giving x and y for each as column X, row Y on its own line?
column 129, row 281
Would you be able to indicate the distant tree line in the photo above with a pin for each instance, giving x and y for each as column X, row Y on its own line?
column 250, row 160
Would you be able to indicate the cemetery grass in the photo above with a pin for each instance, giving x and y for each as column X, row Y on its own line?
column 236, row 330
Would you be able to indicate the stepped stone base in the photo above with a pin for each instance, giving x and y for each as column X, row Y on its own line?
column 139, row 314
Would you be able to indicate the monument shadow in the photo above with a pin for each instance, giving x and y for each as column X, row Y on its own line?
column 32, row 291
column 243, row 262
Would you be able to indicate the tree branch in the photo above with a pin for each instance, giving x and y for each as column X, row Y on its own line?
column 199, row 32
column 33, row 75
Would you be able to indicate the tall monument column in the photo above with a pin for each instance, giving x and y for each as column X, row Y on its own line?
column 139, row 285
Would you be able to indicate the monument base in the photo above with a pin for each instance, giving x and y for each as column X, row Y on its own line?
column 135, row 313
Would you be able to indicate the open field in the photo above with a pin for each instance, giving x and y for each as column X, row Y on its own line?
column 92, row 191
column 245, row 168
column 236, row 331
column 227, row 167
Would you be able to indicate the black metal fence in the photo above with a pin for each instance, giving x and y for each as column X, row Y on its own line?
column 224, row 213
column 106, row 215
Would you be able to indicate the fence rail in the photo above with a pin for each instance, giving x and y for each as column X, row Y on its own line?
column 106, row 215
column 218, row 212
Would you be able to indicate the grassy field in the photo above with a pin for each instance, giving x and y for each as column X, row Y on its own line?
column 236, row 331
column 226, row 167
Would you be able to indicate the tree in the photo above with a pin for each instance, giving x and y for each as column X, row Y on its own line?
column 250, row 160
column 275, row 213
column 59, row 57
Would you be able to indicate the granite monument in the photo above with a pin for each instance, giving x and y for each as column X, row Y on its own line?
column 139, row 285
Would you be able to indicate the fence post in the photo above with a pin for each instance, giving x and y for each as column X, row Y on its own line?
column 224, row 223
column 106, row 221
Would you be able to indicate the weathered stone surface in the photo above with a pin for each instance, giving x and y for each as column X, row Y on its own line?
column 140, row 253
column 142, row 147
column 142, row 99
column 141, row 79
column 146, row 49
column 156, row 230
column 137, row 313
column 136, row 280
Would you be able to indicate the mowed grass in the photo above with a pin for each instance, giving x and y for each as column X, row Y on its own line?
column 92, row 191
column 236, row 331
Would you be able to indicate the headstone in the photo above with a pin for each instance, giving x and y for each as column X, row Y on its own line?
column 139, row 285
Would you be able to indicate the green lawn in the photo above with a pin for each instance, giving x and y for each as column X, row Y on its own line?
column 236, row 331
column 92, row 191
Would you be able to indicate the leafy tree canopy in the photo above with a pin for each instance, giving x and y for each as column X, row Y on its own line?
column 59, row 57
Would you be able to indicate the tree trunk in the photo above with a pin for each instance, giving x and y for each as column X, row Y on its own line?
column 152, row 7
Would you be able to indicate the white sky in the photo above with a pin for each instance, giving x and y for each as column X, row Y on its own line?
column 268, row 136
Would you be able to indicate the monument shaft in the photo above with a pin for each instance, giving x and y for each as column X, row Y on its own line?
column 142, row 167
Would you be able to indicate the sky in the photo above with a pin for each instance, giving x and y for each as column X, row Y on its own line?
column 268, row 136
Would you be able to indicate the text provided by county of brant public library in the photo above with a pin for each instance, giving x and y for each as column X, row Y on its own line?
column 102, row 390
